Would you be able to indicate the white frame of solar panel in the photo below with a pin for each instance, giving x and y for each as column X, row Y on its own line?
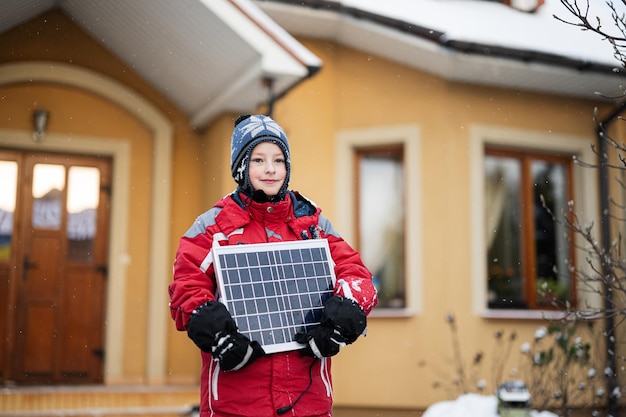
column 275, row 286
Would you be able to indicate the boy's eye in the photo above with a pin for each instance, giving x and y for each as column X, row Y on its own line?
column 280, row 161
column 257, row 160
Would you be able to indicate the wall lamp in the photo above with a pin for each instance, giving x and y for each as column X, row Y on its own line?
column 40, row 123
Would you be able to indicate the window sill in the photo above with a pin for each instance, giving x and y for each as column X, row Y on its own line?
column 523, row 314
column 391, row 312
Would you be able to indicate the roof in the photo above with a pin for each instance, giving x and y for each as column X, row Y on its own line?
column 474, row 41
column 206, row 56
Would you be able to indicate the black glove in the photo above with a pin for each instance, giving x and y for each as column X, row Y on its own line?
column 234, row 351
column 343, row 321
column 214, row 331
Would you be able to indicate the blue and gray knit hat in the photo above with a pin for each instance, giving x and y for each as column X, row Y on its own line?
column 250, row 130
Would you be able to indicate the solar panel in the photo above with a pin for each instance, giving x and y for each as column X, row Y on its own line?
column 274, row 290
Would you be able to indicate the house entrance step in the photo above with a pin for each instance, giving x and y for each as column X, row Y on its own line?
column 101, row 401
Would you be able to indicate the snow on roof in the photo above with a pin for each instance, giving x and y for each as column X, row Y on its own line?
column 492, row 23
column 477, row 42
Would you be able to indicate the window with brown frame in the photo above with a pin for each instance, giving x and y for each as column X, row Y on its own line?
column 380, row 219
column 529, row 249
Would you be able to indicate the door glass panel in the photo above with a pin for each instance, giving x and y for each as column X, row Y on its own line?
column 8, row 193
column 48, row 185
column 83, row 194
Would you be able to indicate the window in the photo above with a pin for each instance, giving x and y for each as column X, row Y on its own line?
column 380, row 178
column 374, row 165
column 528, row 250
column 520, row 256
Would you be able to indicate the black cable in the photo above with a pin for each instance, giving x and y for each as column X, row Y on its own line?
column 283, row 410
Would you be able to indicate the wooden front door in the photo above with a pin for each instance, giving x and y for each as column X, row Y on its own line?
column 53, row 265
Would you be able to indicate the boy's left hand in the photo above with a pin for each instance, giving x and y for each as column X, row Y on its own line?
column 343, row 321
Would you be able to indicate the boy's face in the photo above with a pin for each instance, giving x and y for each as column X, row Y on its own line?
column 267, row 168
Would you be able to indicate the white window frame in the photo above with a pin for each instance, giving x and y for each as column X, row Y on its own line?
column 585, row 199
column 346, row 142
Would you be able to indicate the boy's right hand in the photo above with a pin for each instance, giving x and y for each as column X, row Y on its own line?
column 234, row 351
column 214, row 331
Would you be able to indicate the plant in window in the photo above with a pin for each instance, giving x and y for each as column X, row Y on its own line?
column 552, row 292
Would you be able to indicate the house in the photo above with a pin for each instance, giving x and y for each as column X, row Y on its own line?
column 413, row 124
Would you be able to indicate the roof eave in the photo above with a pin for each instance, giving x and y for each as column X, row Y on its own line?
column 432, row 51
column 206, row 57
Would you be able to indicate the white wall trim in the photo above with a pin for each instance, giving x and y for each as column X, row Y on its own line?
column 160, row 265
column 409, row 136
column 585, row 197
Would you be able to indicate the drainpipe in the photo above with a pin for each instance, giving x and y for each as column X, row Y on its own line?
column 609, row 323
column 271, row 97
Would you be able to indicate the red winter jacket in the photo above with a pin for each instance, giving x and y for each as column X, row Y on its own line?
column 273, row 381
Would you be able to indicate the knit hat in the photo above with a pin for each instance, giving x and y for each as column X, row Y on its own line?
column 250, row 130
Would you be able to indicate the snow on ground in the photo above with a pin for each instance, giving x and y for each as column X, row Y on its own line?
column 472, row 405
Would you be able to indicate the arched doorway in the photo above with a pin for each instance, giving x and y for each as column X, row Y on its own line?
column 159, row 263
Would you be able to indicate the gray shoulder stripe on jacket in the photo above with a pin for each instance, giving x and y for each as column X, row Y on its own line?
column 327, row 226
column 203, row 221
